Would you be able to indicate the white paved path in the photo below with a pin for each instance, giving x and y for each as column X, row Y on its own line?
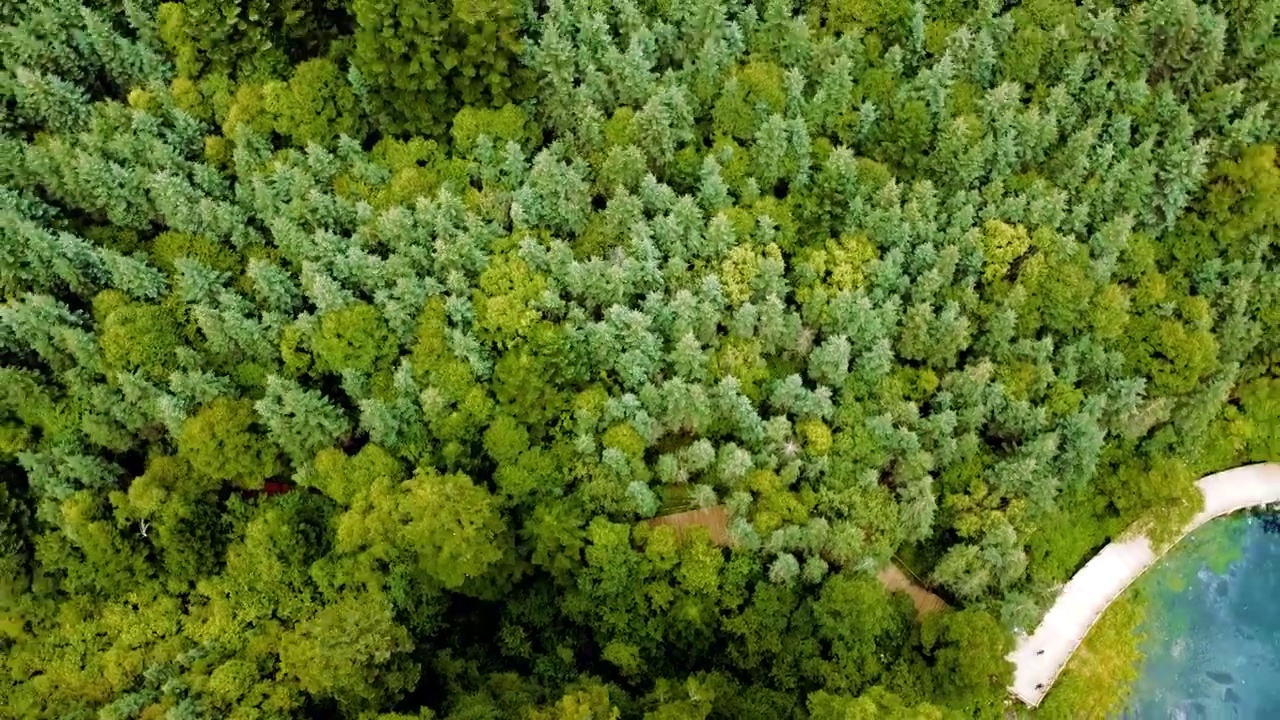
column 1039, row 658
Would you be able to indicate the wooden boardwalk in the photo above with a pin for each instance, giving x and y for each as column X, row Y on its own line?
column 1040, row 657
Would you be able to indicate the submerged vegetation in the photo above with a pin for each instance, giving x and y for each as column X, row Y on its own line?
column 347, row 347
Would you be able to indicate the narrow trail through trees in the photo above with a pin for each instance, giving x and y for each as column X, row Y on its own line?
column 894, row 580
column 715, row 520
column 1040, row 657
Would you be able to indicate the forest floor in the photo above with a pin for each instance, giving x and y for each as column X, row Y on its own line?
column 894, row 580
column 714, row 519
column 1040, row 657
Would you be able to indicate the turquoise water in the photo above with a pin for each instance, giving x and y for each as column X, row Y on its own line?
column 1212, row 633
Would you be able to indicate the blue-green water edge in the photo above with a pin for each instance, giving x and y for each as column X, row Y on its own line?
column 1212, row 633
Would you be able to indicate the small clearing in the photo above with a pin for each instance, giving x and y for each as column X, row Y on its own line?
column 715, row 520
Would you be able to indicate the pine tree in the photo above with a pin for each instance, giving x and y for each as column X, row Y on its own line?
column 47, row 100
column 299, row 420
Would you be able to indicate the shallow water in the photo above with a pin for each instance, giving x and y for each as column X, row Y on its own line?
column 1212, row 640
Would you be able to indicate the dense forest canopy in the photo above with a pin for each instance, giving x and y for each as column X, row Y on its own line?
column 346, row 346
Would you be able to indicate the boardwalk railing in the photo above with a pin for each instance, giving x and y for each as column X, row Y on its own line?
column 1040, row 657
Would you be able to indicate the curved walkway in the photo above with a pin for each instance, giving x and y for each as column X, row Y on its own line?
column 1039, row 659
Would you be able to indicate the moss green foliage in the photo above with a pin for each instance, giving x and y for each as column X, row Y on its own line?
column 219, row 441
column 418, row 61
column 353, row 337
column 315, row 105
column 346, row 348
